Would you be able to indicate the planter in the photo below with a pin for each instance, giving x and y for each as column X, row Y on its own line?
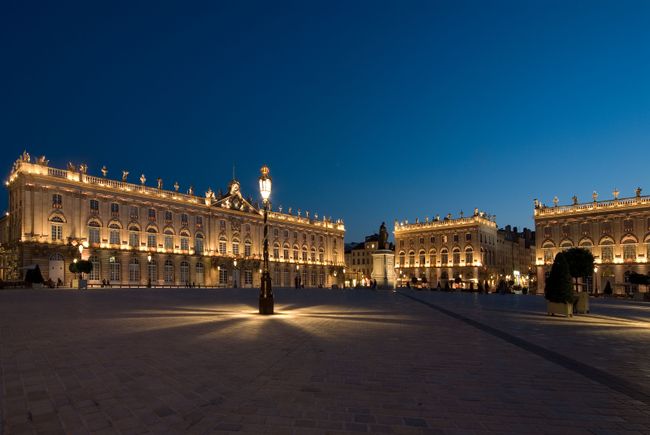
column 80, row 283
column 560, row 308
column 582, row 305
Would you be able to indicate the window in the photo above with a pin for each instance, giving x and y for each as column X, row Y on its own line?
column 168, row 271
column 152, row 271
column 275, row 232
column 422, row 258
column 185, row 242
column 57, row 229
column 184, row 219
column 314, row 278
column 566, row 230
column 606, row 228
column 168, row 216
column 235, row 247
column 548, row 232
column 200, row 274
column 276, row 250
column 247, row 228
column 285, row 252
column 134, row 270
column 456, row 238
column 151, row 240
column 628, row 226
column 57, row 201
column 198, row 245
column 95, row 273
column 185, row 272
column 432, row 239
column 411, row 258
column 304, row 253
column 114, row 234
column 444, row 256
column 444, row 238
column 134, row 237
column 402, row 259
column 629, row 252
column 548, row 256
column 115, row 209
column 432, row 258
column 222, row 245
column 223, row 276
column 93, row 233
column 421, row 240
column 468, row 237
column 152, row 214
column 222, row 225
column 115, row 273
column 321, row 255
column 169, row 240
column 295, row 252
column 607, row 251
column 94, row 206
column 133, row 213
column 247, row 248
column 248, row 277
column 199, row 221
column 469, row 256
column 313, row 254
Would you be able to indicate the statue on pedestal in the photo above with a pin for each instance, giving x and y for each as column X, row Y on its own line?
column 383, row 237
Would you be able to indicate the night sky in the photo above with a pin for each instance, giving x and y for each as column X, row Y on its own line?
column 368, row 111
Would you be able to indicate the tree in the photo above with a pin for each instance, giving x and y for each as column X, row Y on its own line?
column 73, row 268
column 447, row 288
column 608, row 289
column 84, row 266
column 581, row 263
column 558, row 285
column 34, row 276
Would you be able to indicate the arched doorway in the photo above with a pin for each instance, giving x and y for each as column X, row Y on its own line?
column 56, row 267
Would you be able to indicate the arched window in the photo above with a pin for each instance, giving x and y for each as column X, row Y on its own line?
column 169, row 239
column 321, row 255
column 444, row 256
column 95, row 273
column 134, row 236
column 235, row 247
column 629, row 248
column 304, row 253
column 93, row 232
column 198, row 245
column 411, row 258
column 169, row 271
column 247, row 248
column 585, row 244
column 402, row 259
column 200, row 274
column 285, row 251
column 152, row 238
column 422, row 258
column 152, row 268
column 56, row 227
column 276, row 250
column 134, row 270
column 185, row 241
column 185, row 272
column 469, row 256
column 607, row 249
column 115, row 272
column 222, row 245
column 566, row 244
column 432, row 258
column 114, row 234
column 313, row 254
column 295, row 252
column 455, row 253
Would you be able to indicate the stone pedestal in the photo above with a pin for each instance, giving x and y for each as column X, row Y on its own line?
column 383, row 269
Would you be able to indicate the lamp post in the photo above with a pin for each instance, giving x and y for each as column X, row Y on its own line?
column 149, row 270
column 596, row 280
column 266, row 292
column 234, row 272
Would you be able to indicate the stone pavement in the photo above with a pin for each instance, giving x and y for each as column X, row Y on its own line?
column 332, row 361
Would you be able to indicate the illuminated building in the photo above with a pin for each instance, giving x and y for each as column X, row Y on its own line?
column 459, row 251
column 616, row 231
column 358, row 261
column 209, row 240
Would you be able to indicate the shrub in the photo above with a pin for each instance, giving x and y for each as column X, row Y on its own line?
column 34, row 276
column 581, row 263
column 608, row 289
column 558, row 285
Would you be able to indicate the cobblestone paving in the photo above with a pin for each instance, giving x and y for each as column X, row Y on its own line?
column 202, row 361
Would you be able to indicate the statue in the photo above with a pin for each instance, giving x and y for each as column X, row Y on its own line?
column 638, row 192
column 143, row 179
column 595, row 196
column 160, row 183
column 125, row 174
column 575, row 200
column 83, row 168
column 176, row 186
column 616, row 193
column 71, row 167
column 190, row 190
column 104, row 171
column 383, row 237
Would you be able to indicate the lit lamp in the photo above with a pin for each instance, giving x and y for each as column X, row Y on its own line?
column 234, row 264
column 149, row 270
column 266, row 292
column 596, row 279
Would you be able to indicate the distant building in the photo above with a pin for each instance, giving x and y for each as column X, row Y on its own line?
column 516, row 256
column 358, row 261
column 133, row 233
column 616, row 231
column 461, row 251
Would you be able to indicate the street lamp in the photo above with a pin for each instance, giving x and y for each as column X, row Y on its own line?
column 266, row 292
column 149, row 270
column 596, row 280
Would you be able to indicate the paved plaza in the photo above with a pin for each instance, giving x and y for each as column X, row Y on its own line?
column 122, row 361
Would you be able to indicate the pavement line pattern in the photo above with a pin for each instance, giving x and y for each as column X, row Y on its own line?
column 634, row 391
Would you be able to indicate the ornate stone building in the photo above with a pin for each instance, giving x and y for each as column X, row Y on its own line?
column 134, row 233
column 447, row 250
column 358, row 261
column 616, row 231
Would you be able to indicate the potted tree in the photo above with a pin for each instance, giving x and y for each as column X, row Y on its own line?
column 33, row 277
column 559, row 291
column 581, row 264
column 608, row 289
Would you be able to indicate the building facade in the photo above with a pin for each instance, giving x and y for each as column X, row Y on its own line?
column 616, row 231
column 515, row 261
column 459, row 251
column 358, row 261
column 133, row 233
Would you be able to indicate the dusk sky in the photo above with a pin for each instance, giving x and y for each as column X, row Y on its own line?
column 366, row 111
